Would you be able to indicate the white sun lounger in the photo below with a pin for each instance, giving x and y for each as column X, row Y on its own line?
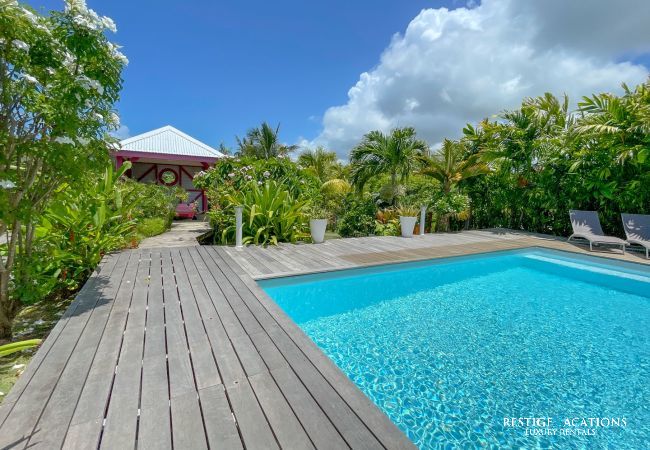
column 637, row 230
column 586, row 225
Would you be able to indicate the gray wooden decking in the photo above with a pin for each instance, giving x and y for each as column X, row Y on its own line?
column 336, row 254
column 181, row 347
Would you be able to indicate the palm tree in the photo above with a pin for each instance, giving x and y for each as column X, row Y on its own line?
column 395, row 154
column 622, row 123
column 451, row 165
column 263, row 143
column 320, row 162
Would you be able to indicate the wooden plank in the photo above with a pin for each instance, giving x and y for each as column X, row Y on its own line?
column 5, row 409
column 220, row 425
column 45, row 347
column 207, row 295
column 242, row 314
column 311, row 416
column 124, row 403
column 187, row 423
column 185, row 408
column 253, row 426
column 239, row 255
column 260, row 263
column 351, row 427
column 264, row 256
column 280, row 253
column 154, row 429
column 268, row 351
column 27, row 408
column 181, row 376
column 203, row 362
column 285, row 425
column 269, row 408
column 86, row 424
column 57, row 415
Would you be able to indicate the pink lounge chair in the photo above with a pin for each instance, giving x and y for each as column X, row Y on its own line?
column 185, row 211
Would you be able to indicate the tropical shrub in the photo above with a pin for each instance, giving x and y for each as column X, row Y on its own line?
column 321, row 163
column 85, row 221
column 270, row 215
column 152, row 201
column 387, row 223
column 452, row 205
column 79, row 226
column 231, row 179
column 232, row 174
column 546, row 160
column 358, row 217
column 151, row 226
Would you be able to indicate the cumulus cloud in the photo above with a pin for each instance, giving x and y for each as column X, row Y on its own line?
column 456, row 66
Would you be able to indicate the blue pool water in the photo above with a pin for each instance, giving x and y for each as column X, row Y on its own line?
column 449, row 348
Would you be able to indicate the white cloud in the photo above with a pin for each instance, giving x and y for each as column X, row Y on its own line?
column 459, row 66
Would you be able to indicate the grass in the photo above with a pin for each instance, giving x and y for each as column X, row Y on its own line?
column 33, row 322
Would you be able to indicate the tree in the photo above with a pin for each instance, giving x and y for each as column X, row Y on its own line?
column 263, row 143
column 546, row 160
column 59, row 80
column 224, row 149
column 451, row 165
column 395, row 154
column 320, row 162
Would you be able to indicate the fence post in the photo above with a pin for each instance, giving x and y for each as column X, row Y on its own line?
column 238, row 225
column 423, row 218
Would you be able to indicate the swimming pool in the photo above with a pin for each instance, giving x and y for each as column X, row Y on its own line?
column 527, row 348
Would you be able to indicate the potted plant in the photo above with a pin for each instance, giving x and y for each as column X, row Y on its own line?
column 408, row 215
column 317, row 221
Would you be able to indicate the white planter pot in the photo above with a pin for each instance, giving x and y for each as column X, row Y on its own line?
column 408, row 225
column 317, row 229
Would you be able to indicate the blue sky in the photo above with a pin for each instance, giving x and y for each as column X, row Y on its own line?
column 331, row 71
column 215, row 69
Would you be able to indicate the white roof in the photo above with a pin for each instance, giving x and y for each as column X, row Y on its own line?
column 169, row 140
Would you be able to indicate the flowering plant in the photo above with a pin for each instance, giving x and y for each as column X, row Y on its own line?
column 60, row 78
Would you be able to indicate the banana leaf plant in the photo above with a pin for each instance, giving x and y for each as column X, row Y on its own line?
column 85, row 222
column 270, row 215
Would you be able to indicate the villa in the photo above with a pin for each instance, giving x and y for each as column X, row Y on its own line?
column 169, row 157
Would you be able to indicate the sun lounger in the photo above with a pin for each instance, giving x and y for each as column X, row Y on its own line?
column 637, row 230
column 586, row 225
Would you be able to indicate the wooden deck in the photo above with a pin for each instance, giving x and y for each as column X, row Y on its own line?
column 180, row 348
column 336, row 254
